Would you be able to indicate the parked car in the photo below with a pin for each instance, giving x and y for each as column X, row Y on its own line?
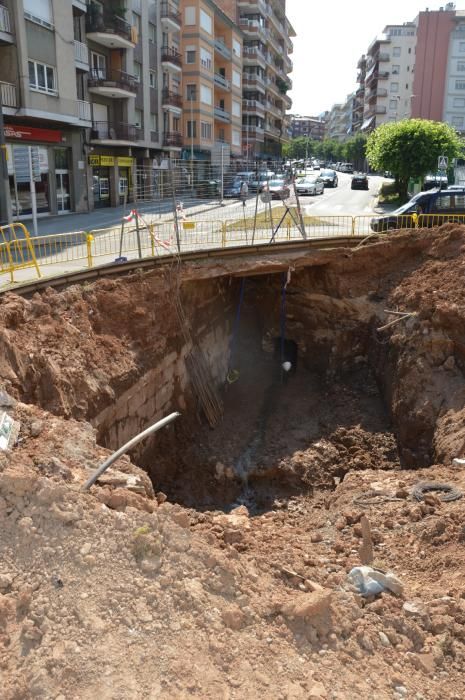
column 310, row 185
column 329, row 178
column 444, row 205
column 233, row 189
column 277, row 188
column 260, row 179
column 359, row 182
column 346, row 168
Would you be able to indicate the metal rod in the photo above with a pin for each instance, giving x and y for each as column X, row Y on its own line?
column 139, row 247
column 33, row 192
column 122, row 450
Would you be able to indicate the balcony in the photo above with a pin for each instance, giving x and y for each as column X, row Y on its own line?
column 252, row 27
column 222, row 115
column 113, row 83
column 170, row 17
column 172, row 139
column 253, row 106
column 83, row 109
column 81, row 55
column 6, row 36
column 171, row 100
column 171, row 59
column 252, row 133
column 109, row 29
column 114, row 133
column 256, row 82
column 8, row 95
column 222, row 82
column 383, row 56
column 376, row 92
column 255, row 55
column 222, row 49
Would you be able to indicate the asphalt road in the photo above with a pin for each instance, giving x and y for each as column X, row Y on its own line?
column 343, row 200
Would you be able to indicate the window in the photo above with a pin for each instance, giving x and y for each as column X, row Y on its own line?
column 154, row 122
column 42, row 77
column 190, row 54
column 205, row 58
column 462, row 46
column 192, row 130
column 406, row 86
column 236, row 78
column 459, row 102
column 396, row 51
column 410, row 50
column 444, row 203
column 206, row 95
column 139, row 118
column 152, row 33
column 153, row 79
column 136, row 22
column 236, row 138
column 39, row 11
column 189, row 15
column 191, row 92
column 236, row 47
column 460, row 84
column 138, row 71
column 236, row 108
column 205, row 21
column 457, row 122
column 395, row 70
column 206, row 130
column 394, row 87
column 98, row 64
column 461, row 66
column 176, row 123
column 392, row 104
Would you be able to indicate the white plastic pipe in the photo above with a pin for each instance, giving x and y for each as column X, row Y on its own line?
column 133, row 441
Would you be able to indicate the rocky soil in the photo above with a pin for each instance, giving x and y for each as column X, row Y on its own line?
column 122, row 593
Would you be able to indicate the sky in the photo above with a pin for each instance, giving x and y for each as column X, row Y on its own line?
column 331, row 37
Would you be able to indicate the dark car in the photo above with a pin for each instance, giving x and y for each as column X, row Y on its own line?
column 359, row 182
column 233, row 189
column 426, row 209
column 329, row 178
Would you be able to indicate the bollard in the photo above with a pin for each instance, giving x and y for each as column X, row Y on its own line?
column 89, row 239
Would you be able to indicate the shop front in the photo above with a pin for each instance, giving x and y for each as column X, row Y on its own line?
column 111, row 179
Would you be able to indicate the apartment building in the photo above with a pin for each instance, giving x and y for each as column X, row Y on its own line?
column 95, row 87
column 339, row 122
column 267, row 65
column 311, row 127
column 359, row 97
column 211, row 47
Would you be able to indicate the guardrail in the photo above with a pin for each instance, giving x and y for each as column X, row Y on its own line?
column 87, row 249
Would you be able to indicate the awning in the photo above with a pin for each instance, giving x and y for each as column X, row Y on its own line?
column 367, row 123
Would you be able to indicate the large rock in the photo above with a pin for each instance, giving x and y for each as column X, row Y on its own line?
column 308, row 605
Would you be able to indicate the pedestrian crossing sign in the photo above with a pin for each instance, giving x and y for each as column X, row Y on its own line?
column 443, row 163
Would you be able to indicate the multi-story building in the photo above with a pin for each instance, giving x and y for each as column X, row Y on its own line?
column 266, row 82
column 339, row 123
column 95, row 87
column 359, row 99
column 388, row 86
column 311, row 127
column 211, row 47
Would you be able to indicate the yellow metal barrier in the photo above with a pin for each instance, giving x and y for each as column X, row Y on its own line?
column 19, row 251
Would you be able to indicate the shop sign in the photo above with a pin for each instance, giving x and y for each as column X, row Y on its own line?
column 107, row 160
column 94, row 160
column 125, row 161
column 30, row 133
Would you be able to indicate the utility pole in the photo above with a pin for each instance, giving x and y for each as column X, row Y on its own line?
column 5, row 203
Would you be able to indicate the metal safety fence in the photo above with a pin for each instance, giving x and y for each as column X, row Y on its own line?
column 85, row 249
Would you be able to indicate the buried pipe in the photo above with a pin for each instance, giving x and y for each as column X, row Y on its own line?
column 133, row 441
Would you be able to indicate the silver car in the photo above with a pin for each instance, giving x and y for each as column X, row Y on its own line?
column 310, row 185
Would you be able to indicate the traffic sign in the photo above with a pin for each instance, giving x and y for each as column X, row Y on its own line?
column 443, row 163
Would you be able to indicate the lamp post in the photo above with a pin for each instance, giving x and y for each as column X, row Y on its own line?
column 191, row 100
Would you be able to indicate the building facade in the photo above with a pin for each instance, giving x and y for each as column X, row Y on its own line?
column 95, row 87
column 311, row 127
column 211, row 46
column 339, row 123
column 267, row 65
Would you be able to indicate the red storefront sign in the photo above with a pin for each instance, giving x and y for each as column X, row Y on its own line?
column 31, row 133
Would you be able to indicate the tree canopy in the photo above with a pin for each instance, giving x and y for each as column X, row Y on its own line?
column 410, row 148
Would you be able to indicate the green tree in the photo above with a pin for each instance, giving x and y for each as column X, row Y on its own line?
column 299, row 148
column 410, row 148
column 355, row 150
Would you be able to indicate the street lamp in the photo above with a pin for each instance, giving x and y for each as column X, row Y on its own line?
column 191, row 100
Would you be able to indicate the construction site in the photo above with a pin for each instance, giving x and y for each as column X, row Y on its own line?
column 295, row 530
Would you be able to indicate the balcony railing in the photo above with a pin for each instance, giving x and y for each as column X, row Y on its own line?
column 168, row 11
column 105, row 22
column 221, row 47
column 81, row 52
column 172, row 138
column 222, row 81
column 252, row 79
column 170, row 55
column 253, row 52
column 114, row 131
column 253, row 105
column 112, row 78
column 5, row 24
column 84, row 110
column 171, row 98
column 8, row 94
column 221, row 113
